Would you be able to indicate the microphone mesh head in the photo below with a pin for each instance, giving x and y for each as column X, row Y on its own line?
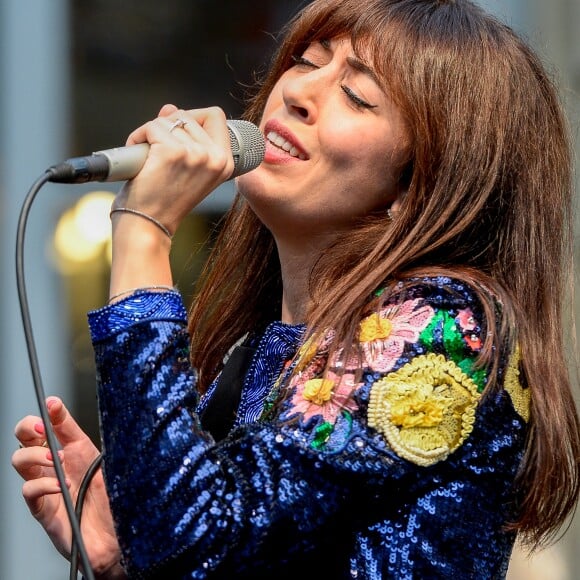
column 248, row 146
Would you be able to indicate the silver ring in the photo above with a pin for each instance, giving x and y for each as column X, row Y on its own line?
column 178, row 124
column 43, row 444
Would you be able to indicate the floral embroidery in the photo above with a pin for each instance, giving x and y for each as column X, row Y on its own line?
column 318, row 391
column 322, row 435
column 312, row 355
column 448, row 330
column 421, row 408
column 521, row 398
column 473, row 341
column 374, row 327
column 467, row 323
column 383, row 335
column 324, row 396
column 465, row 319
column 425, row 410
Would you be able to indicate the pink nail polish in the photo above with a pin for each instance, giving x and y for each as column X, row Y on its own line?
column 39, row 428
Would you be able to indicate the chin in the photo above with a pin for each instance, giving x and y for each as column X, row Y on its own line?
column 252, row 185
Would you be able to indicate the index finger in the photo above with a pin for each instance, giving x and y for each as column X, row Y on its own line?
column 213, row 121
column 66, row 429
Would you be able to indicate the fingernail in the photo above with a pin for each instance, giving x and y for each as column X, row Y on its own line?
column 39, row 428
column 50, row 403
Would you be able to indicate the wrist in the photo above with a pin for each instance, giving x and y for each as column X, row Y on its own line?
column 141, row 256
column 131, row 231
column 151, row 219
column 115, row 572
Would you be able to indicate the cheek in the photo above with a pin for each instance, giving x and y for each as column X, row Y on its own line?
column 368, row 156
column 274, row 101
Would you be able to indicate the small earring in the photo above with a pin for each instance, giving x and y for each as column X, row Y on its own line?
column 390, row 214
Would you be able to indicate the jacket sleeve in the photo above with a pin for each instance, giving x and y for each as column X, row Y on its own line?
column 401, row 417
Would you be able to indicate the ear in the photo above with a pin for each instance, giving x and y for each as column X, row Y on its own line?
column 396, row 205
column 402, row 187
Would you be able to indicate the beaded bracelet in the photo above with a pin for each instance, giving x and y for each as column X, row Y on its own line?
column 142, row 288
column 143, row 215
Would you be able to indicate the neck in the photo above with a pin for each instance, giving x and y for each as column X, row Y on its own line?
column 296, row 261
column 299, row 248
column 295, row 276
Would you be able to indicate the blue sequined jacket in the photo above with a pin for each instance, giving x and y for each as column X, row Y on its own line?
column 396, row 467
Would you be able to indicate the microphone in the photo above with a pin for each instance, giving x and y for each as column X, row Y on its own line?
column 122, row 163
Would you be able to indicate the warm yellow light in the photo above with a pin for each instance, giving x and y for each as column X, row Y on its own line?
column 92, row 216
column 84, row 230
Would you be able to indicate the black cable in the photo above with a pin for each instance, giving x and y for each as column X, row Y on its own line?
column 77, row 539
column 84, row 486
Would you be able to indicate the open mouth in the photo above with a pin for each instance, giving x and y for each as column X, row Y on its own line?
column 282, row 143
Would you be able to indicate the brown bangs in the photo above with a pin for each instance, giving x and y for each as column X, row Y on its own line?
column 372, row 32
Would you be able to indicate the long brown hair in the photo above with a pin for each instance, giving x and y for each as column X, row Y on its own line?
column 489, row 201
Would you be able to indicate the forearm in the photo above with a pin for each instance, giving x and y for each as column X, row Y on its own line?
column 140, row 255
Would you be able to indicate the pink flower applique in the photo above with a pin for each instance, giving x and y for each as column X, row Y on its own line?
column 383, row 335
column 465, row 319
column 326, row 396
column 467, row 323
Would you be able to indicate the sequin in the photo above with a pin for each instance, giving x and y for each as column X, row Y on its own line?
column 282, row 492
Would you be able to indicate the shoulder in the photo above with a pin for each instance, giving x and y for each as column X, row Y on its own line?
column 413, row 374
column 442, row 292
column 439, row 315
column 422, row 344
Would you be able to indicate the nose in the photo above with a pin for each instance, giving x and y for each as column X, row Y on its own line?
column 303, row 93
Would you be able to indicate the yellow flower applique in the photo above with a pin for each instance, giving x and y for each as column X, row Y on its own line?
column 374, row 327
column 318, row 391
column 521, row 398
column 425, row 410
column 327, row 396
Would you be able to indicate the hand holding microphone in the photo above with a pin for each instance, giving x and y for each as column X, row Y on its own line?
column 171, row 163
column 122, row 163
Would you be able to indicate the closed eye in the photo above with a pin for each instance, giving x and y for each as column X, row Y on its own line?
column 301, row 61
column 361, row 103
column 358, row 102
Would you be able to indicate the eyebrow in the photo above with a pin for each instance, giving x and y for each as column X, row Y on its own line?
column 355, row 63
column 360, row 66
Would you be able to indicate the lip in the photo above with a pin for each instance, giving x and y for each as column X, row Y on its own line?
column 276, row 154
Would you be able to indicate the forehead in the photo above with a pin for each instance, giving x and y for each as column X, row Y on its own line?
column 367, row 23
column 360, row 54
column 355, row 60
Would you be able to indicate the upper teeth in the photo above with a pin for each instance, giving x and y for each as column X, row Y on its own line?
column 279, row 141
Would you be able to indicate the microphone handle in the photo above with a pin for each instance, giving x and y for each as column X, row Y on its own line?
column 123, row 163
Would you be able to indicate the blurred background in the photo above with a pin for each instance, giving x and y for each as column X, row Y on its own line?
column 79, row 76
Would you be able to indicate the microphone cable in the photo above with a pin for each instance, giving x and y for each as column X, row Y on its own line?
column 77, row 546
column 83, row 488
column 247, row 147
